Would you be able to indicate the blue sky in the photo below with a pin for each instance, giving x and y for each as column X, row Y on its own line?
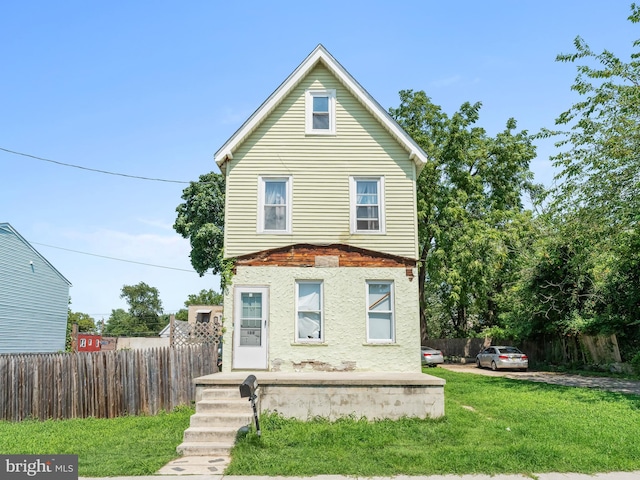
column 153, row 89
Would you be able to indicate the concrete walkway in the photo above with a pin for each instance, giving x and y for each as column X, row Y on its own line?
column 538, row 476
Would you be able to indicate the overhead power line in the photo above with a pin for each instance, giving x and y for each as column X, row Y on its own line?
column 119, row 259
column 92, row 169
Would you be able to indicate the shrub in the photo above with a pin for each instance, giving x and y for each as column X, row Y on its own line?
column 635, row 363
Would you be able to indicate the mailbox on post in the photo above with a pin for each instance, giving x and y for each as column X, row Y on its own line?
column 248, row 390
column 248, row 387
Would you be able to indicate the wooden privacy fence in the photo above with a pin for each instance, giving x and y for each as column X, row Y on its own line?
column 101, row 384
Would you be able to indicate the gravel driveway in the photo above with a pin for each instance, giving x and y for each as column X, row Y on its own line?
column 603, row 383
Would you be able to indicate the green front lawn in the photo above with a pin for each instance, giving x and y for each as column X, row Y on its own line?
column 105, row 447
column 492, row 425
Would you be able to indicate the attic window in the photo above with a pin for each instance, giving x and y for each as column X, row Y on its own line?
column 321, row 112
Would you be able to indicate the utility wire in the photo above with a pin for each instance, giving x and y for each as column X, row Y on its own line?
column 117, row 259
column 92, row 169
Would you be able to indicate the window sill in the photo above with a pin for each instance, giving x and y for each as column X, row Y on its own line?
column 320, row 133
column 309, row 344
column 381, row 344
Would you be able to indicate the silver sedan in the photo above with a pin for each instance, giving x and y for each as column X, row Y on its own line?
column 431, row 357
column 502, row 357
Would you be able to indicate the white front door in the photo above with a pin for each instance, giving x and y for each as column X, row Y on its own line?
column 251, row 307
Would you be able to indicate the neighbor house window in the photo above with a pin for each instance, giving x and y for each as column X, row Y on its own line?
column 309, row 318
column 203, row 316
column 320, row 106
column 380, row 312
column 367, row 205
column 274, row 205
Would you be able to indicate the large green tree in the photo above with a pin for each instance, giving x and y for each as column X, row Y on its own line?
column 144, row 315
column 584, row 280
column 599, row 158
column 120, row 323
column 469, row 210
column 201, row 220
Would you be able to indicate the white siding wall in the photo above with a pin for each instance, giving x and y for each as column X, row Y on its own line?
column 320, row 166
column 345, row 342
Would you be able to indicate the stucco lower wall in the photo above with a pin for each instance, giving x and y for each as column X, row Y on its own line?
column 345, row 346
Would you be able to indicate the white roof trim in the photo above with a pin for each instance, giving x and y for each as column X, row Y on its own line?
column 320, row 54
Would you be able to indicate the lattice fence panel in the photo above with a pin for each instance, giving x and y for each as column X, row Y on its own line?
column 184, row 334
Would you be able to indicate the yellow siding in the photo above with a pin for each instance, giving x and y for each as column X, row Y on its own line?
column 320, row 167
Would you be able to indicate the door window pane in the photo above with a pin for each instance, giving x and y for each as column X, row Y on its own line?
column 251, row 319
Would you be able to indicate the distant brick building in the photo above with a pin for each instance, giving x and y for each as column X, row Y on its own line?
column 88, row 342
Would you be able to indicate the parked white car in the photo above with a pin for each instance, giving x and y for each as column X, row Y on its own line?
column 502, row 357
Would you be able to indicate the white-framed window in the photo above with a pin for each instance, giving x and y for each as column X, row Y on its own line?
column 83, row 342
column 380, row 312
column 367, row 204
column 309, row 315
column 320, row 109
column 274, row 204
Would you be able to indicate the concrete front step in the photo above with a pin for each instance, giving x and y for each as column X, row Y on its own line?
column 220, row 392
column 204, row 448
column 221, row 419
column 207, row 434
column 223, row 405
column 220, row 413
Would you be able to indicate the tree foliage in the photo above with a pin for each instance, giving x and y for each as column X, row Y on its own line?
column 584, row 276
column 144, row 316
column 85, row 323
column 120, row 323
column 201, row 220
column 205, row 297
column 469, row 211
column 599, row 161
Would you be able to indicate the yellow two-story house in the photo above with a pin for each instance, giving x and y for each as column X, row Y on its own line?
column 320, row 219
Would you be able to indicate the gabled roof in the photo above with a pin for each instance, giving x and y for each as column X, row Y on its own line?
column 320, row 55
column 8, row 228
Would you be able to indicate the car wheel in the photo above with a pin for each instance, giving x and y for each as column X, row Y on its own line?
column 493, row 366
column 478, row 363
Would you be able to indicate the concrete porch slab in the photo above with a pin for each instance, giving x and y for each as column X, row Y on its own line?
column 334, row 395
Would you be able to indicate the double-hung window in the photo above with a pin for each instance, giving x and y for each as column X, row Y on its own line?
column 380, row 312
column 309, row 318
column 367, row 204
column 320, row 106
column 274, row 205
